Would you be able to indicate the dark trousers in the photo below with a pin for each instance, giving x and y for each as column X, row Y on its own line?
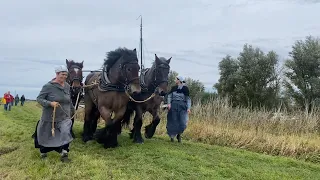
column 57, row 149
column 7, row 106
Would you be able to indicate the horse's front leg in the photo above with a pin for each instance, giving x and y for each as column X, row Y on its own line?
column 110, row 135
column 87, row 133
column 151, row 128
column 137, row 124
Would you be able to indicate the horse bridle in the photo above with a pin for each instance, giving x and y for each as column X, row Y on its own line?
column 122, row 68
column 156, row 82
column 70, row 81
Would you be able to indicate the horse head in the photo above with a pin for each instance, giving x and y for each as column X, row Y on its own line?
column 157, row 77
column 75, row 73
column 122, row 69
column 75, row 79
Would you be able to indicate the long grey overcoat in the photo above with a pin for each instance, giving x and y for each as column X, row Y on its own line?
column 50, row 92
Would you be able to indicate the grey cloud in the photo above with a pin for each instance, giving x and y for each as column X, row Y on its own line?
column 37, row 34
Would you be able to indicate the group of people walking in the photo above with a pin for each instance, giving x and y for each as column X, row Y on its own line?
column 55, row 95
column 8, row 101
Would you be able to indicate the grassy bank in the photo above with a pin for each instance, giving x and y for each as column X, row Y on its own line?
column 286, row 134
column 156, row 159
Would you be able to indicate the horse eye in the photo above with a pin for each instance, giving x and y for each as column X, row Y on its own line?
column 129, row 69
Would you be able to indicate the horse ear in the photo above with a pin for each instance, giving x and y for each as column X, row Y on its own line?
column 82, row 64
column 157, row 59
column 68, row 63
column 168, row 61
column 135, row 50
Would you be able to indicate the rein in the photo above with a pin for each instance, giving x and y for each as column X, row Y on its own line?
column 131, row 98
column 54, row 114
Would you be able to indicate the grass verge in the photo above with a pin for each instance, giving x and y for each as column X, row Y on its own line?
column 156, row 159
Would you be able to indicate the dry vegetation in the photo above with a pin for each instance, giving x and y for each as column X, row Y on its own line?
column 293, row 135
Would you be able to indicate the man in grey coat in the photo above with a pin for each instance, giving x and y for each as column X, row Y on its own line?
column 55, row 93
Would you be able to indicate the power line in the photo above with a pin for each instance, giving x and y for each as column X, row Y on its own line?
column 50, row 63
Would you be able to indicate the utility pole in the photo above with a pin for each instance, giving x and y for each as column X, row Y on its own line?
column 141, row 43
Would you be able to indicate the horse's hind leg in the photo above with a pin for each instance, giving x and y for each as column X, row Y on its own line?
column 151, row 128
column 95, row 117
column 126, row 120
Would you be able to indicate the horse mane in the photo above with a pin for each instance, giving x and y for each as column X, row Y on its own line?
column 75, row 63
column 113, row 56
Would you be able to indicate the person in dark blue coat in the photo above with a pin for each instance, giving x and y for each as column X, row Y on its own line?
column 179, row 104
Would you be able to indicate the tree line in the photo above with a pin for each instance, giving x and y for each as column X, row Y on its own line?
column 257, row 79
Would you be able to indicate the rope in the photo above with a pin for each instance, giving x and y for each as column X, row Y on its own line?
column 53, row 118
column 77, row 99
column 90, row 85
column 131, row 98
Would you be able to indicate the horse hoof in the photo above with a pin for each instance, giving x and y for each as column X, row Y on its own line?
column 100, row 140
column 86, row 139
column 108, row 146
column 138, row 141
column 131, row 135
column 147, row 136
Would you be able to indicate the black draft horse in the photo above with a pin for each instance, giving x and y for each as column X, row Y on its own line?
column 108, row 93
column 154, row 83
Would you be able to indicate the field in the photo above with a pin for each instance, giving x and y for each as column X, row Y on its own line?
column 158, row 158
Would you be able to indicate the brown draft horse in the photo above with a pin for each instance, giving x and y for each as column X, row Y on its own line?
column 120, row 74
column 75, row 80
column 153, row 80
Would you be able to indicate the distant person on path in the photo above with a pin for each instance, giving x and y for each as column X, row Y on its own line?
column 9, row 98
column 3, row 100
column 16, row 100
column 12, row 99
column 55, row 93
column 22, row 100
column 179, row 104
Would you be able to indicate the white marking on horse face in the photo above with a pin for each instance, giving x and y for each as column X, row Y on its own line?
column 76, row 70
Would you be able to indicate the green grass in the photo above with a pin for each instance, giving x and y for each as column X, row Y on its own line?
column 157, row 158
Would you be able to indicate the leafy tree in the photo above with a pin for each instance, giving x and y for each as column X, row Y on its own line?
column 172, row 78
column 195, row 88
column 303, row 72
column 228, row 78
column 251, row 80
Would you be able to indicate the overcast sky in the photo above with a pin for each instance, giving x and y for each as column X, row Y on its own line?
column 35, row 35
